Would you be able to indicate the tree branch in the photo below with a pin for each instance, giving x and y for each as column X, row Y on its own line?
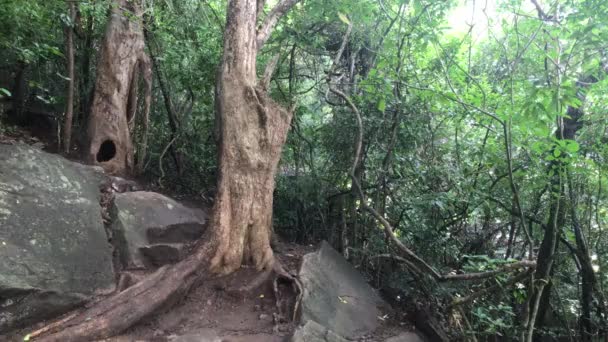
column 486, row 290
column 269, row 71
column 272, row 19
column 529, row 264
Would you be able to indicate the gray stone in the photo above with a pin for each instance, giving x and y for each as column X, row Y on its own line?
column 205, row 335
column 163, row 254
column 54, row 251
column 314, row 332
column 336, row 295
column 142, row 218
column 406, row 337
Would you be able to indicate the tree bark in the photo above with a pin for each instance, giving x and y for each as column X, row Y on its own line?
column 19, row 94
column 69, row 111
column 252, row 129
column 114, row 101
column 86, row 91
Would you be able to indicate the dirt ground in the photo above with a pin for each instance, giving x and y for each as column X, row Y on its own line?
column 212, row 309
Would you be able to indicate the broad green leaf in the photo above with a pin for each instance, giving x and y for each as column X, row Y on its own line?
column 557, row 152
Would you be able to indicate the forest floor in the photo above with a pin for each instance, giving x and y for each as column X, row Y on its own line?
column 211, row 312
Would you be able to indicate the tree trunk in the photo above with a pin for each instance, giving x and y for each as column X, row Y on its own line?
column 567, row 130
column 114, row 100
column 19, row 94
column 69, row 111
column 86, row 89
column 252, row 129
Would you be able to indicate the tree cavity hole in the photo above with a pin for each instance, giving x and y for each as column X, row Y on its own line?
column 107, row 151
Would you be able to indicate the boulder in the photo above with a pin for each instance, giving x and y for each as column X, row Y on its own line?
column 144, row 223
column 337, row 296
column 162, row 254
column 406, row 337
column 315, row 332
column 54, row 250
column 205, row 335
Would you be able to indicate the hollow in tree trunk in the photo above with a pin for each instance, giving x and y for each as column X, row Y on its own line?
column 114, row 103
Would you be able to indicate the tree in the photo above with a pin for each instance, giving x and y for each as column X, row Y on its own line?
column 253, row 129
column 69, row 111
column 115, row 100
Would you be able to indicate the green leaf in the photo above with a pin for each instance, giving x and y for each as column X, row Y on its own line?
column 557, row 152
column 5, row 92
column 382, row 105
column 343, row 18
column 572, row 146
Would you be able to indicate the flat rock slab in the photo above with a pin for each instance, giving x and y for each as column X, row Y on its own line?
column 206, row 335
column 163, row 254
column 209, row 335
column 143, row 218
column 337, row 296
column 407, row 337
column 315, row 332
column 54, row 251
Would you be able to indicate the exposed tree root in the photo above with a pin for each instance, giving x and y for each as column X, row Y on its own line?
column 160, row 290
column 286, row 287
column 288, row 298
column 120, row 311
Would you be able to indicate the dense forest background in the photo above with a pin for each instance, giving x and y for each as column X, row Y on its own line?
column 474, row 131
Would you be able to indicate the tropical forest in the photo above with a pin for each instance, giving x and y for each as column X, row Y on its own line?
column 303, row 170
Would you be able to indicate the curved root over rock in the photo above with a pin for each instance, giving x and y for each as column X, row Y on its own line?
column 116, row 313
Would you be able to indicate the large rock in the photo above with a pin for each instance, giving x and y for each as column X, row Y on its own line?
column 406, row 337
column 336, row 296
column 315, row 332
column 54, row 251
column 146, row 223
column 205, row 335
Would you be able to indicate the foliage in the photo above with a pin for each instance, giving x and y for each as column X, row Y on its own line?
column 461, row 130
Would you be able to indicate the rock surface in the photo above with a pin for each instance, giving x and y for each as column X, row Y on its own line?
column 53, row 247
column 315, row 332
column 144, row 221
column 406, row 337
column 206, row 335
column 336, row 296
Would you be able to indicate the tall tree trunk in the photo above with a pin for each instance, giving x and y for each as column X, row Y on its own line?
column 86, row 90
column 69, row 111
column 19, row 94
column 567, row 129
column 252, row 129
column 115, row 99
column 590, row 291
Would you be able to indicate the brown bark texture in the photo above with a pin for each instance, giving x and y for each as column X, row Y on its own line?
column 69, row 111
column 121, row 60
column 253, row 129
